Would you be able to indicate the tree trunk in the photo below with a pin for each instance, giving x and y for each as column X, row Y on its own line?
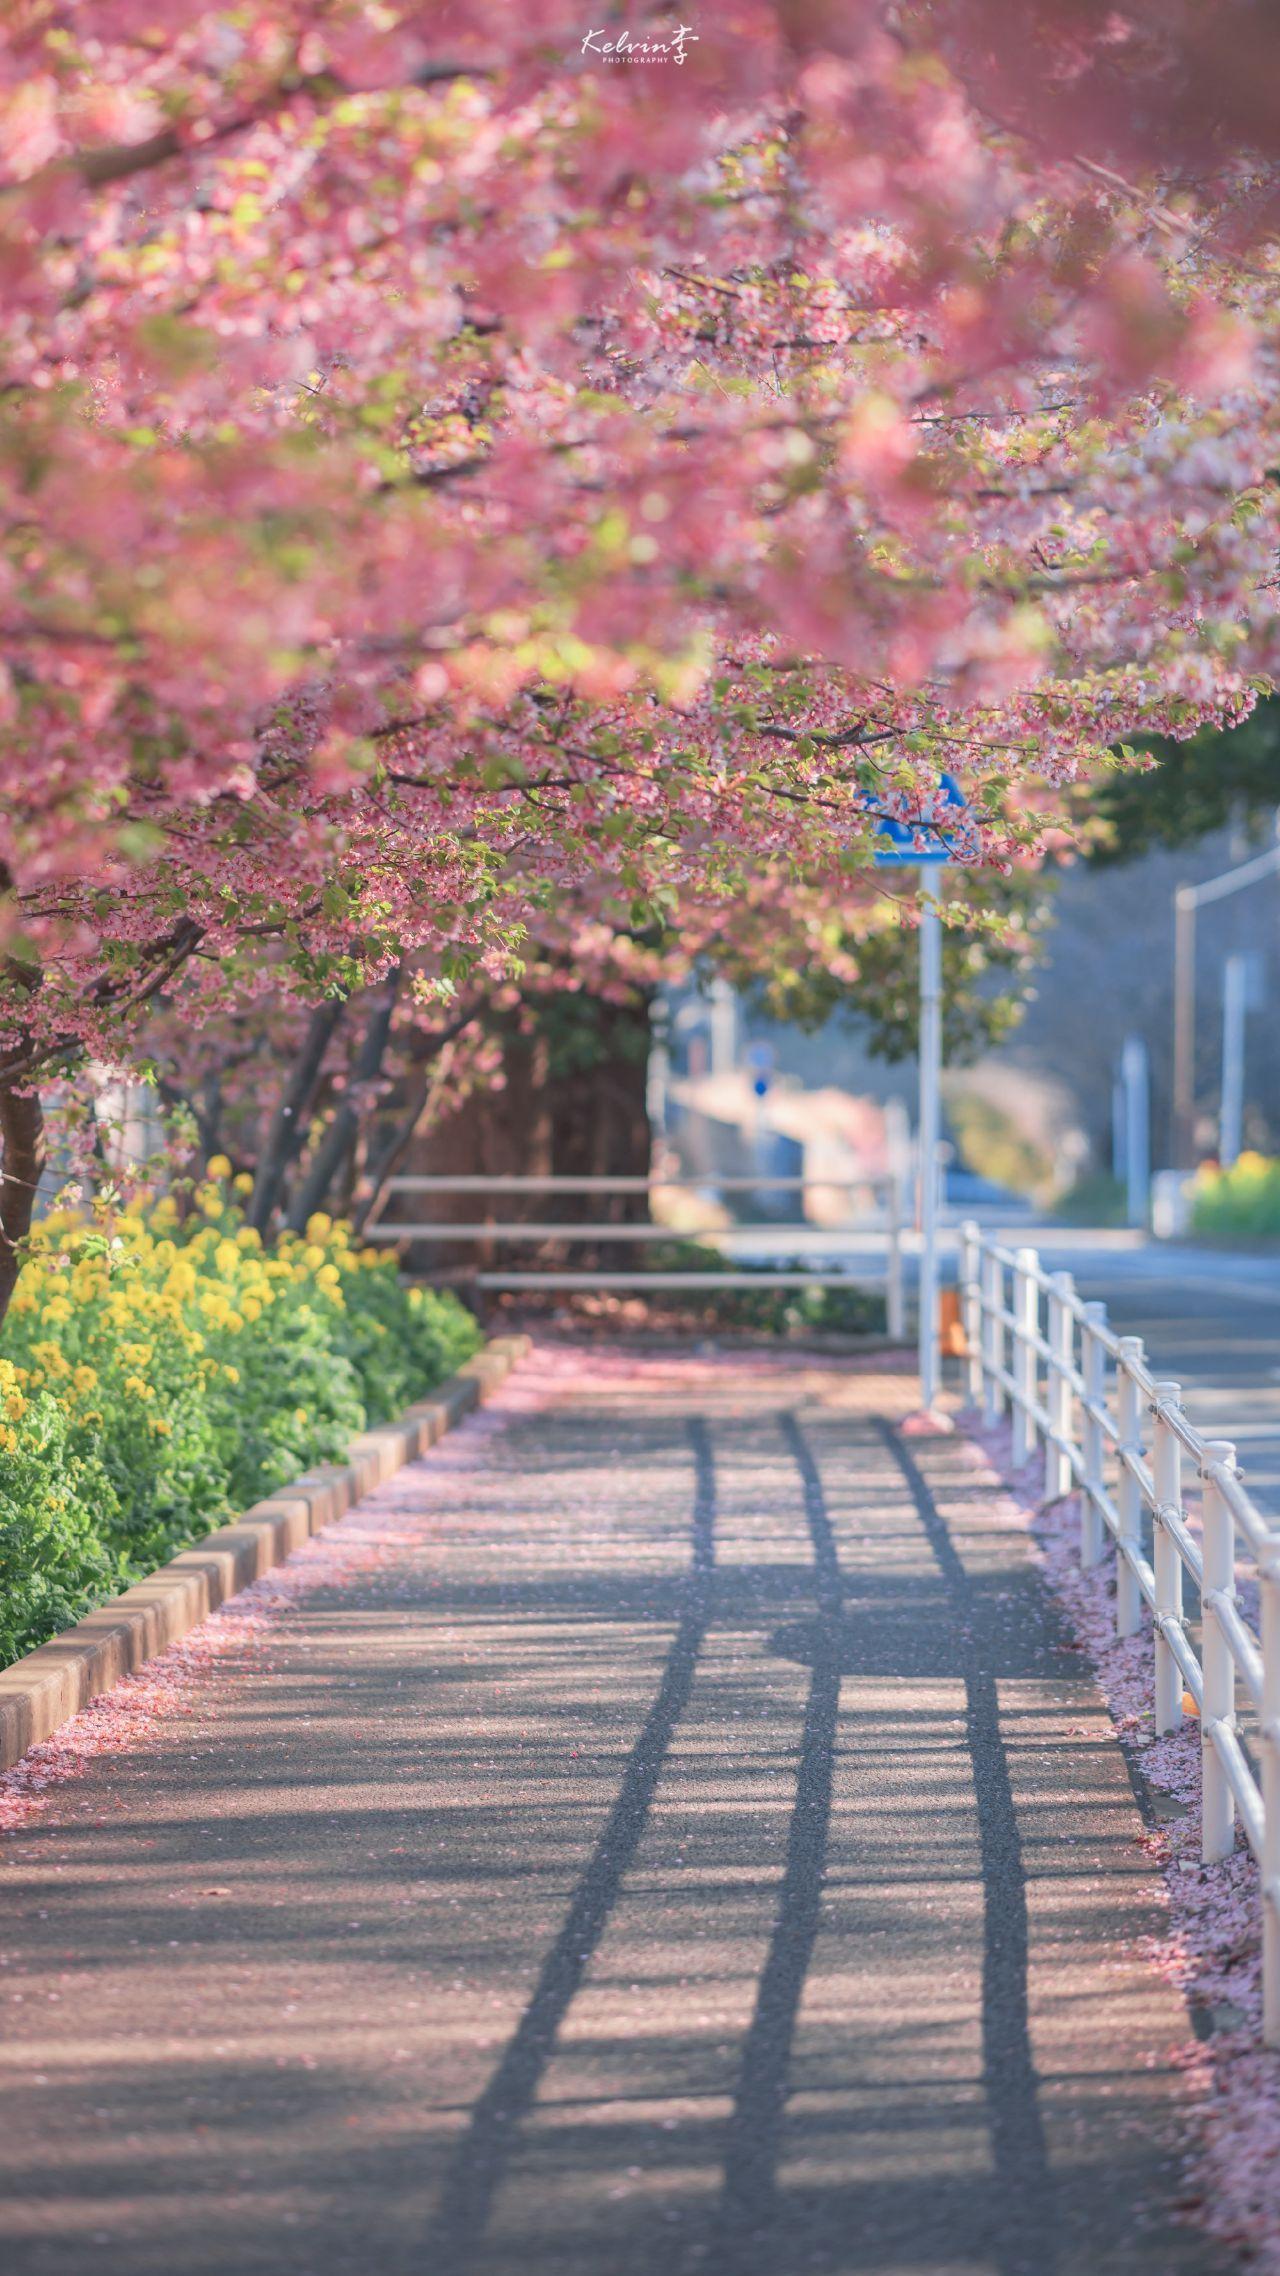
column 289, row 1122
column 416, row 1112
column 339, row 1139
column 22, row 1134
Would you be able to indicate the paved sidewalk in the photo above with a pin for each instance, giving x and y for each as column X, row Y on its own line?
column 670, row 1836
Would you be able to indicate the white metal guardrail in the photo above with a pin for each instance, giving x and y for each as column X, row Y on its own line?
column 1120, row 1437
column 889, row 1192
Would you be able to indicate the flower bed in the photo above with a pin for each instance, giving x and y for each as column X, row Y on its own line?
column 160, row 1372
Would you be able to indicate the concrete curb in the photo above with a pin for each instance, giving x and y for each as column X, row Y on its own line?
column 47, row 1687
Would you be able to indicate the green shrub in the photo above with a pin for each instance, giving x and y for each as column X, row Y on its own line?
column 1240, row 1202
column 1098, row 1198
column 54, row 1559
column 848, row 1310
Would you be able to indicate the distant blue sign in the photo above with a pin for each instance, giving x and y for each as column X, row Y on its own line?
column 760, row 1060
column 906, row 845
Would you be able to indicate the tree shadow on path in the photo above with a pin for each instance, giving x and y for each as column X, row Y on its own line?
column 1027, row 2244
column 749, row 2204
column 754, row 2224
column 477, row 2167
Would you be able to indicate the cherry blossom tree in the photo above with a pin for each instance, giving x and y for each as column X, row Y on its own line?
column 453, row 464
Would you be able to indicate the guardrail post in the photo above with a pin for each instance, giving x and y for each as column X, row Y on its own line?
column 1166, row 1468
column 1026, row 1313
column 1269, row 1748
column 993, row 1342
column 1093, row 1368
column 1128, row 1491
column 1219, row 1705
column 971, row 1309
column 1059, row 1396
column 895, row 1297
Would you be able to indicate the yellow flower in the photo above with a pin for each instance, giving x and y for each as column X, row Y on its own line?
column 15, row 1406
column 218, row 1167
column 85, row 1379
column 243, row 1183
column 319, row 1226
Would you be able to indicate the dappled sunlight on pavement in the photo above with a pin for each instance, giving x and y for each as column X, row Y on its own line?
column 663, row 1830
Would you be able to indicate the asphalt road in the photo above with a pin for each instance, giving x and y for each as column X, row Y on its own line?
column 672, row 1837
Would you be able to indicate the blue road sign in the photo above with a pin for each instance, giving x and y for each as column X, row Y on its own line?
column 904, row 845
column 760, row 1061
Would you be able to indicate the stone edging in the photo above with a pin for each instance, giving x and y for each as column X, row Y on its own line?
column 43, row 1690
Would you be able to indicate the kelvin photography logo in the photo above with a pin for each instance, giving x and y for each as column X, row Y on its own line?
column 625, row 49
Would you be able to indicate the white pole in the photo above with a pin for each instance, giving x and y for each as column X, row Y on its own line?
column 1231, row 1119
column 1270, row 1749
column 724, row 1027
column 895, row 1304
column 1059, row 1396
column 658, row 1082
column 1093, row 1363
column 930, row 1082
column 994, row 1342
column 1135, row 1079
column 1166, row 1465
column 1026, row 1311
column 971, row 1305
column 1218, row 1829
column 1128, row 1490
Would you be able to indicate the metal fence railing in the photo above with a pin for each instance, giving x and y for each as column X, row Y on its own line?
column 887, row 1194
column 1122, row 1439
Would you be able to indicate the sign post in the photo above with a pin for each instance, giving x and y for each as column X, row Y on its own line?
column 907, row 845
column 930, row 1134
column 760, row 1061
